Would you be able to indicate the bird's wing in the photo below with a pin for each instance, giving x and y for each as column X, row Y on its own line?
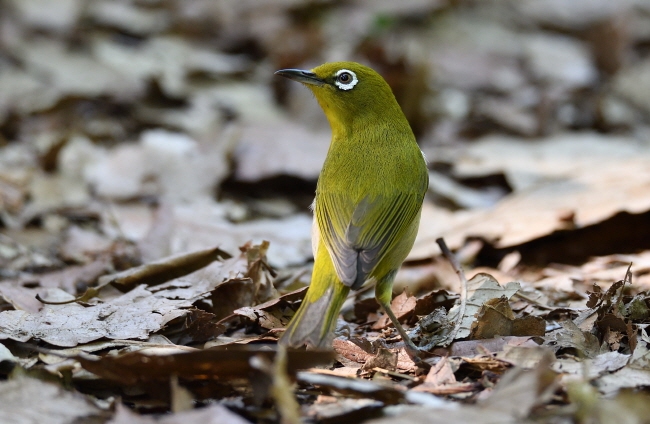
column 358, row 236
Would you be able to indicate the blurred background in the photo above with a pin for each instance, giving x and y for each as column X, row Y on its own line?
column 144, row 128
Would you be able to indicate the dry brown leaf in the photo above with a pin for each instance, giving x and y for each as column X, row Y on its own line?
column 470, row 348
column 133, row 315
column 20, row 298
column 480, row 288
column 201, row 326
column 344, row 371
column 440, row 374
column 591, row 368
column 402, row 305
column 337, row 409
column 440, row 380
column 447, row 415
column 226, row 362
column 350, row 350
column 436, row 299
column 271, row 314
column 203, row 225
column 296, row 150
column 211, row 414
column 511, row 402
column 551, row 177
column 404, row 361
column 519, row 390
column 386, row 393
column 485, row 363
column 264, row 319
column 30, row 400
column 231, row 295
column 495, row 318
column 164, row 270
column 526, row 355
column 569, row 336
column 384, row 358
column 624, row 378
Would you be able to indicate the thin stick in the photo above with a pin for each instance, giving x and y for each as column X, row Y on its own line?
column 463, row 285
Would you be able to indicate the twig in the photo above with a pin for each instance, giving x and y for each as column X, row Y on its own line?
column 463, row 286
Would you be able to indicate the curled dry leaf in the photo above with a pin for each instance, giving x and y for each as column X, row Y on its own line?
column 384, row 358
column 495, row 318
column 350, row 350
column 402, row 305
column 226, row 362
column 441, row 381
column 164, row 270
column 271, row 314
column 480, row 289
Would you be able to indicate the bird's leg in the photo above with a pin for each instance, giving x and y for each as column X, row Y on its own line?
column 412, row 350
column 384, row 293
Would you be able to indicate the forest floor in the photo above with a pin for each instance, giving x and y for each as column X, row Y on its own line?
column 155, row 183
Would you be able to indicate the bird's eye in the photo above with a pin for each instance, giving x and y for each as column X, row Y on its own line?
column 345, row 79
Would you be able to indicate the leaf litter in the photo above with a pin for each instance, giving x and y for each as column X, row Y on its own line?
column 143, row 144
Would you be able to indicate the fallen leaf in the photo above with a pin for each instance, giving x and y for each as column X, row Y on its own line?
column 133, row 315
column 384, row 358
column 591, row 368
column 470, row 348
column 223, row 362
column 344, row 371
column 353, row 387
column 203, row 225
column 485, row 363
column 273, row 313
column 550, row 176
column 519, row 390
column 624, row 378
column 164, row 270
column 297, row 151
column 55, row 405
column 569, row 336
column 480, row 288
column 524, row 353
column 351, row 350
column 337, row 409
column 231, row 295
column 402, row 306
column 211, row 414
column 495, row 318
column 440, row 374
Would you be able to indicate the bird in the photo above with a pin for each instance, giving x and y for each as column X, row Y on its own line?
column 368, row 198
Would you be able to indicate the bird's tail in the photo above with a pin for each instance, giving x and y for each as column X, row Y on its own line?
column 315, row 320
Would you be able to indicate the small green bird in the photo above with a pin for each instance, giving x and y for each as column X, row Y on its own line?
column 368, row 198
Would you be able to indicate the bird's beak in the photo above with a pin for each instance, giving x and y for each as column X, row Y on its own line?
column 305, row 77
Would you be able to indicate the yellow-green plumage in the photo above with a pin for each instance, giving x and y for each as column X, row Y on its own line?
column 368, row 199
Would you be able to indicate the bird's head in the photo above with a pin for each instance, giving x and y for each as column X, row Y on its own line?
column 349, row 93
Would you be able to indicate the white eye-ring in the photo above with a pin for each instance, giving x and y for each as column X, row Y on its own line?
column 345, row 79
